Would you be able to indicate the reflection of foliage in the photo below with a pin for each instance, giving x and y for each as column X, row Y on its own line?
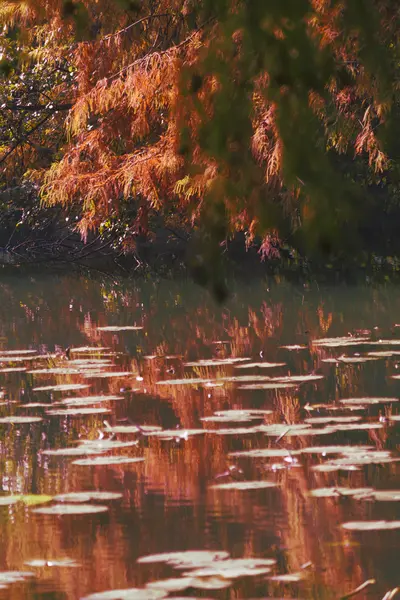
column 170, row 490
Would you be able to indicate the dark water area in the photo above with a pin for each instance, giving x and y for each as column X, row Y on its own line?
column 262, row 434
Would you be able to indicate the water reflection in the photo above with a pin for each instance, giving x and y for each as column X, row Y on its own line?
column 169, row 500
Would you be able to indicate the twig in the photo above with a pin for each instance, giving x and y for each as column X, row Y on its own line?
column 391, row 593
column 359, row 589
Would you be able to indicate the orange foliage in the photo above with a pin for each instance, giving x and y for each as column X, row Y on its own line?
column 145, row 89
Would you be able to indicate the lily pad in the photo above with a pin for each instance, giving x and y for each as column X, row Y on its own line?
column 244, row 485
column 294, row 347
column 383, row 496
column 107, row 460
column 340, row 341
column 270, row 385
column 265, row 453
column 185, row 559
column 89, row 349
column 371, row 400
column 16, row 420
column 177, row 584
column 233, row 568
column 67, row 387
column 54, row 371
column 337, row 492
column 84, row 400
column 87, row 496
column 75, row 451
column 71, row 509
column 330, row 419
column 9, row 577
column 16, row 352
column 41, row 563
column 287, row 577
column 371, row 525
column 77, row 412
column 133, row 429
column 261, row 365
column 9, row 500
column 127, row 594
column 215, row 362
column 108, row 374
column 116, row 328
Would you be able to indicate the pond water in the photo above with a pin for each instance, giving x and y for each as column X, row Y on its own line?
column 140, row 422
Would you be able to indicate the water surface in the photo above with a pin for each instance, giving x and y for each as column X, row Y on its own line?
column 162, row 373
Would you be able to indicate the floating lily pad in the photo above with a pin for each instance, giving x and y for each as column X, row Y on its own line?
column 27, row 499
column 247, row 378
column 16, row 359
column 211, row 583
column 234, row 417
column 337, row 492
column 294, row 347
column 299, row 378
column 87, row 496
column 351, row 450
column 340, row 341
column 233, row 568
column 116, row 328
column 175, row 433
column 35, row 499
column 265, row 453
column 9, row 577
column 177, row 584
column 185, row 559
column 67, row 387
column 332, row 468
column 16, row 352
column 90, row 362
column 84, row 400
column 54, row 371
column 236, row 431
column 35, row 405
column 77, row 412
column 215, row 362
column 41, row 563
column 355, row 359
column 357, row 426
column 268, row 385
column 89, row 349
column 104, row 445
column 368, row 400
column 8, row 500
column 71, row 509
column 75, row 451
column 330, row 419
column 383, row 496
column 244, row 485
column 133, row 429
column 127, row 594
column 371, row 525
column 107, row 460
column 261, row 365
column 288, row 577
column 185, row 381
column 16, row 420
column 108, row 374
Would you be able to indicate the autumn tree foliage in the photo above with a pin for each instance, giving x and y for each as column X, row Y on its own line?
column 217, row 115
